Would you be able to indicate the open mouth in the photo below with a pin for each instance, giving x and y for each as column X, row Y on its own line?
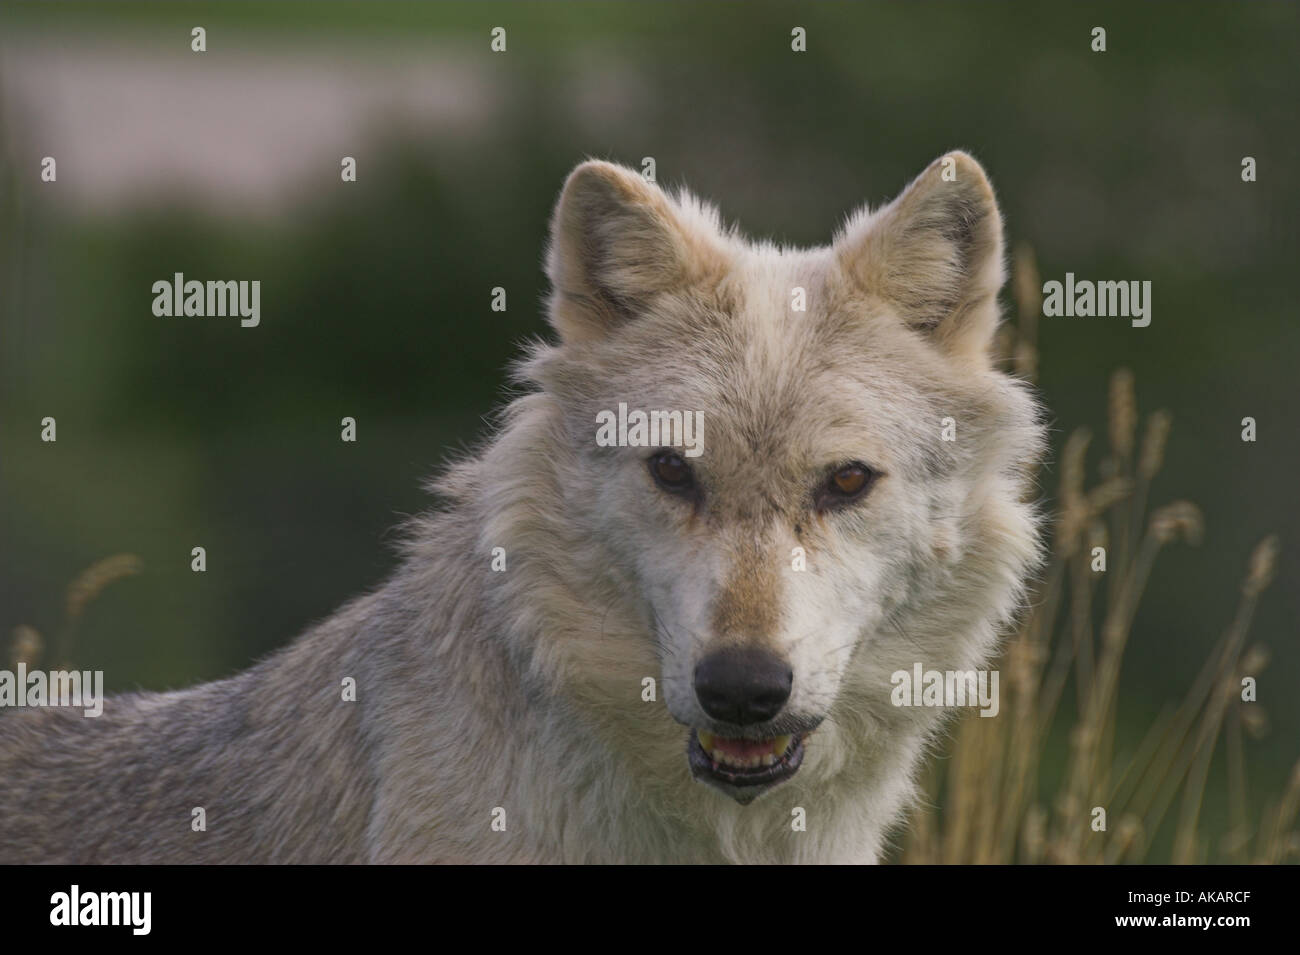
column 744, row 768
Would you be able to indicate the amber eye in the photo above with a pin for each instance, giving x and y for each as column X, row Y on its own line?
column 845, row 484
column 850, row 480
column 671, row 473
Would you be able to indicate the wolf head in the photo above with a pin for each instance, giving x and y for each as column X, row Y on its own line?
column 788, row 474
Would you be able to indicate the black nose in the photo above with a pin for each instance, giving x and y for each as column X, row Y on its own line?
column 741, row 686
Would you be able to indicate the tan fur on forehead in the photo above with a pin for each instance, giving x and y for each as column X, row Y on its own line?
column 774, row 385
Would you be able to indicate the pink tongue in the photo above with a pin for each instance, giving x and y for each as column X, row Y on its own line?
column 743, row 747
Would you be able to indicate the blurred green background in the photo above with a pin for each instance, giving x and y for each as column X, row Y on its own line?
column 376, row 294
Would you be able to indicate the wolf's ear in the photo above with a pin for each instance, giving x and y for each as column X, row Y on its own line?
column 616, row 242
column 935, row 253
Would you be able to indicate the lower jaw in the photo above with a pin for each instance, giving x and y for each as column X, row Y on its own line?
column 743, row 785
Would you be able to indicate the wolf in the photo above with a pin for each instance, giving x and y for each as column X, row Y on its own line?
column 603, row 652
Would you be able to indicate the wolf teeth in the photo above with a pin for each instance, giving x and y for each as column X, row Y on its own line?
column 739, row 762
column 779, row 746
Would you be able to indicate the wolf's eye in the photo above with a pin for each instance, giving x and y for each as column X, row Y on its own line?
column 845, row 485
column 671, row 473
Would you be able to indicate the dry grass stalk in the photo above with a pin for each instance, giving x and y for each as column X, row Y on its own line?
column 85, row 587
column 990, row 803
